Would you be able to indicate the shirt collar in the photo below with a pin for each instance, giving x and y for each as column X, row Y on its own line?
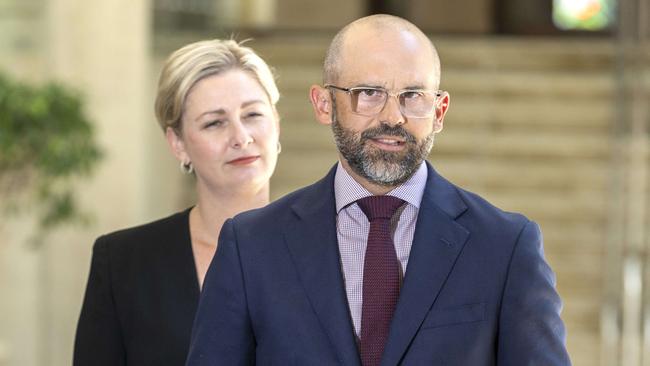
column 347, row 190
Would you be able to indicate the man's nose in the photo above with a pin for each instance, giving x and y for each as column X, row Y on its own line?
column 391, row 114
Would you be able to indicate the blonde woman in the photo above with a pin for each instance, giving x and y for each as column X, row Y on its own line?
column 216, row 105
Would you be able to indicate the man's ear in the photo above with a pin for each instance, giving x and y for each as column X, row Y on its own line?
column 176, row 145
column 321, row 101
column 442, row 105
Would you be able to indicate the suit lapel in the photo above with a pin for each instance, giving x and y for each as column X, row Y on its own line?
column 437, row 242
column 312, row 242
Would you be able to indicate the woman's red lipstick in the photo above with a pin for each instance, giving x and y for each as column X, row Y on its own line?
column 244, row 160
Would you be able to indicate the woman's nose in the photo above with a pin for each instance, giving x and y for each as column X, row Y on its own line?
column 240, row 137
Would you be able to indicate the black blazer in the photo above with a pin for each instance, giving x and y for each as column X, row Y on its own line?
column 141, row 297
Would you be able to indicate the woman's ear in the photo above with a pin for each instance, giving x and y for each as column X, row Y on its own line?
column 321, row 101
column 442, row 105
column 176, row 145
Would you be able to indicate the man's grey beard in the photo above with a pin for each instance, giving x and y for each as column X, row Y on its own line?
column 384, row 168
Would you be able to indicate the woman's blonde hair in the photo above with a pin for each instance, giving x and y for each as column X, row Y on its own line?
column 191, row 63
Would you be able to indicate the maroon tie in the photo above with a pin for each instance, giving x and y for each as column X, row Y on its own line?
column 381, row 275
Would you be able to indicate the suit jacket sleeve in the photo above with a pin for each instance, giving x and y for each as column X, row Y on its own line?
column 531, row 331
column 98, row 340
column 222, row 333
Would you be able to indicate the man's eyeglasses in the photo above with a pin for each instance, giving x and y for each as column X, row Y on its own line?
column 369, row 101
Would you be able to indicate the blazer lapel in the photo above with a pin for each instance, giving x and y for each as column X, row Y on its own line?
column 437, row 242
column 313, row 246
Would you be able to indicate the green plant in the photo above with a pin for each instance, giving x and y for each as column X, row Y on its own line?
column 46, row 141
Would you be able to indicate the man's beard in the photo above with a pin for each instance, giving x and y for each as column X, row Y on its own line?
column 384, row 168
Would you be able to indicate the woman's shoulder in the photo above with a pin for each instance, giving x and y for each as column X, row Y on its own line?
column 171, row 229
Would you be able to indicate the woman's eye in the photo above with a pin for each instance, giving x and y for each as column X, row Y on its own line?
column 253, row 115
column 215, row 123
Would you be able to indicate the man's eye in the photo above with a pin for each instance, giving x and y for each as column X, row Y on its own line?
column 412, row 94
column 367, row 93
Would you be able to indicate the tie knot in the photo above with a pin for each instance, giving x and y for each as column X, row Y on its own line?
column 379, row 207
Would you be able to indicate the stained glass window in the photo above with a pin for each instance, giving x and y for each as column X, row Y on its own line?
column 589, row 15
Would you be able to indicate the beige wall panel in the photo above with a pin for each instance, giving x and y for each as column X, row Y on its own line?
column 463, row 16
column 312, row 14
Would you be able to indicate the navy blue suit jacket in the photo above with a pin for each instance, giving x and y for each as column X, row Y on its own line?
column 477, row 290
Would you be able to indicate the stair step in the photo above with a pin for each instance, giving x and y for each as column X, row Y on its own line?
column 512, row 84
column 496, row 53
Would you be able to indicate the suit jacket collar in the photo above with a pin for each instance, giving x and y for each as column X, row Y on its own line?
column 313, row 246
column 312, row 243
column 437, row 243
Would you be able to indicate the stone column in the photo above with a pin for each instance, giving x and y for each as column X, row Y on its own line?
column 103, row 48
column 626, row 310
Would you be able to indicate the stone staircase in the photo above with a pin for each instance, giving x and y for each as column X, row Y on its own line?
column 529, row 128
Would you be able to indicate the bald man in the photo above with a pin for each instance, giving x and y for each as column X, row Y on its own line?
column 383, row 261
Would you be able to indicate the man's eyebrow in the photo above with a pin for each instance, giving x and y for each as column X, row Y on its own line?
column 415, row 87
column 363, row 85
column 410, row 87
